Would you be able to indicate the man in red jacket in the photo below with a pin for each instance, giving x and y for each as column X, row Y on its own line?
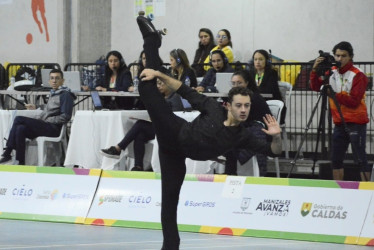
column 349, row 83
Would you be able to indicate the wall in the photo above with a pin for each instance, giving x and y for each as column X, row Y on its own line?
column 81, row 31
column 291, row 29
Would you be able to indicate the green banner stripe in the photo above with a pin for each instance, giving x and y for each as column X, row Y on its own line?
column 35, row 169
column 295, row 236
column 55, row 170
column 267, row 181
column 314, row 183
column 137, row 224
column 21, row 169
column 130, row 175
column 38, row 217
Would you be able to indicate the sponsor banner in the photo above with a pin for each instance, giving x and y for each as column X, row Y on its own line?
column 367, row 234
column 276, row 209
column 53, row 194
column 124, row 198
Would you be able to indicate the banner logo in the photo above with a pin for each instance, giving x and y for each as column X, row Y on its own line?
column 273, row 207
column 305, row 208
column 47, row 195
column 110, row 198
column 324, row 211
column 205, row 204
column 3, row 191
column 245, row 203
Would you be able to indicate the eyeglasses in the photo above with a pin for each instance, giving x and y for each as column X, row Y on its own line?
column 223, row 37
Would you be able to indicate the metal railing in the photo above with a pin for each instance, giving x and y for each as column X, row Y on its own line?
column 33, row 74
column 303, row 100
column 4, row 83
column 300, row 105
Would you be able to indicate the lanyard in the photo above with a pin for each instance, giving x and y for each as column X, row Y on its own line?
column 259, row 79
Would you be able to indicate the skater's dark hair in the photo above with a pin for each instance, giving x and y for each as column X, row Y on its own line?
column 239, row 91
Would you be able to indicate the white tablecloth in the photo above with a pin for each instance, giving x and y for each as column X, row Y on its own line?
column 94, row 130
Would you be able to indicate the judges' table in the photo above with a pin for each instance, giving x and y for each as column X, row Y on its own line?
column 94, row 130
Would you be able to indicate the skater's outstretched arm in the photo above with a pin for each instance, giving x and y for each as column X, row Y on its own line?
column 149, row 74
column 275, row 131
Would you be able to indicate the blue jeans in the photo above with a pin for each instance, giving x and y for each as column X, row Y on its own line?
column 26, row 127
column 340, row 143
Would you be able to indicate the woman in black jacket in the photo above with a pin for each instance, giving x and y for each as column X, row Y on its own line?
column 266, row 77
column 117, row 78
column 206, row 44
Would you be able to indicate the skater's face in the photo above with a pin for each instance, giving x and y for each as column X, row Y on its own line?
column 113, row 62
column 239, row 107
column 217, row 62
column 342, row 56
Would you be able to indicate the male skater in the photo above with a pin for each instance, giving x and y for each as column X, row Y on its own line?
column 214, row 132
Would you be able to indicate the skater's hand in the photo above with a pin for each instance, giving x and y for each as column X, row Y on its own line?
column 273, row 126
column 148, row 74
column 274, row 130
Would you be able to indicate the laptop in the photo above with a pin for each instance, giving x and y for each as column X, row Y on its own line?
column 72, row 80
column 223, row 82
column 96, row 100
column 45, row 78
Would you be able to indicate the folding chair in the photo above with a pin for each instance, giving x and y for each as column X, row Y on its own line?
column 285, row 89
column 276, row 107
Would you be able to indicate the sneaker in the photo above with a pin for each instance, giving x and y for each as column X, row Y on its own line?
column 111, row 152
column 137, row 168
column 5, row 159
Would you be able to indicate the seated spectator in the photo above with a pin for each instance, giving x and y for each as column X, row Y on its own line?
column 219, row 62
column 117, row 78
column 254, row 123
column 206, row 44
column 266, row 77
column 223, row 43
column 138, row 65
column 57, row 112
column 143, row 131
column 181, row 69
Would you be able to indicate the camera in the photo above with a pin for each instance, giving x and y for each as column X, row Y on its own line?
column 327, row 63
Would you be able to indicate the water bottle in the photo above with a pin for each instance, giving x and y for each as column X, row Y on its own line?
column 187, row 81
column 136, row 84
column 12, row 81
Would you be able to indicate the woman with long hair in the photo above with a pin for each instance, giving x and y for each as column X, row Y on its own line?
column 181, row 69
column 117, row 77
column 205, row 45
column 266, row 77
